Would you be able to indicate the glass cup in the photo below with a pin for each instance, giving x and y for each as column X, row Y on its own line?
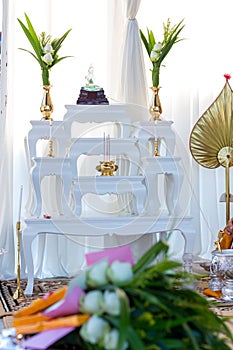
column 215, row 283
column 227, row 290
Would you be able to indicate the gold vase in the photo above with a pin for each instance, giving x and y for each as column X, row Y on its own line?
column 155, row 105
column 46, row 107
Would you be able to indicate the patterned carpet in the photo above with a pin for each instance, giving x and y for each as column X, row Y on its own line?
column 7, row 289
column 41, row 287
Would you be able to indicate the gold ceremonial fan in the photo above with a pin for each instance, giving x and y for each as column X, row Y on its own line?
column 211, row 139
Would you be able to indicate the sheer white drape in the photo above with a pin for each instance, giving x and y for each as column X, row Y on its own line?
column 133, row 90
column 6, row 174
column 191, row 80
column 133, row 86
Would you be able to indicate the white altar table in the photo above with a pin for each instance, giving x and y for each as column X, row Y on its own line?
column 105, row 226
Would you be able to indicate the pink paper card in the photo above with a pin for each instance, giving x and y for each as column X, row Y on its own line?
column 44, row 340
column 122, row 254
column 68, row 306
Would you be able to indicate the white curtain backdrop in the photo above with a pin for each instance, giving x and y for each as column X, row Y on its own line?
column 6, row 144
column 133, row 85
column 190, row 81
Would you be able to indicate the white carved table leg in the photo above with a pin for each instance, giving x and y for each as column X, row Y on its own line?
column 67, row 181
column 153, row 202
column 27, row 239
column 77, row 199
column 172, row 186
column 189, row 240
column 140, row 195
column 46, row 167
column 36, row 185
column 111, row 185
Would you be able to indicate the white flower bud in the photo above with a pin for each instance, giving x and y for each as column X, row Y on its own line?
column 96, row 275
column 91, row 302
column 120, row 272
column 48, row 58
column 157, row 47
column 48, row 48
column 111, row 339
column 111, row 303
column 153, row 56
column 155, row 52
column 94, row 329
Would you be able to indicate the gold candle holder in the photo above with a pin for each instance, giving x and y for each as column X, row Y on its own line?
column 156, row 148
column 18, row 294
column 50, row 154
column 217, row 242
column 107, row 168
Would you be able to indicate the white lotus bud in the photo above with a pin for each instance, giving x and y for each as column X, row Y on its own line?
column 48, row 58
column 120, row 272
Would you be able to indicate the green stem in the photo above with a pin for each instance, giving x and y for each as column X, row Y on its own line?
column 45, row 77
column 155, row 75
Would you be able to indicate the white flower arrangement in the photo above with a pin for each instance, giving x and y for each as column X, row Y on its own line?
column 158, row 50
column 45, row 50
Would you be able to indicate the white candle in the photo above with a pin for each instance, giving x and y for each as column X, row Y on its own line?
column 104, row 147
column 50, row 129
column 108, row 148
column 20, row 202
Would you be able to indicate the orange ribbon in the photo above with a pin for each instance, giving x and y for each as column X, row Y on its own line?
column 42, row 303
column 68, row 321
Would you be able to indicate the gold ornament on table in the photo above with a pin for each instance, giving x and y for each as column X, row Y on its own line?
column 157, row 51
column 107, row 167
column 156, row 148
column 19, row 294
column 211, row 140
column 46, row 54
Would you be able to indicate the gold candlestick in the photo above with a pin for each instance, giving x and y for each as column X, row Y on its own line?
column 18, row 294
column 156, row 148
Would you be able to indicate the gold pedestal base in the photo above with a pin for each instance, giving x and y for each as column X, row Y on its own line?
column 18, row 294
column 107, row 168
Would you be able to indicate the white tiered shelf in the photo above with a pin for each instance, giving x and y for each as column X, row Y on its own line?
column 137, row 178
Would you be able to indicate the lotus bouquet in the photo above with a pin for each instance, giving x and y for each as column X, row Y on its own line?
column 45, row 49
column 117, row 305
column 158, row 50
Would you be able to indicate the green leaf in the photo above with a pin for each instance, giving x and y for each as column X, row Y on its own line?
column 134, row 340
column 56, row 43
column 145, row 42
column 32, row 32
column 191, row 336
column 147, row 297
column 160, row 247
column 151, row 39
column 59, row 59
column 165, row 265
column 33, row 39
column 124, row 317
column 38, row 43
column 31, row 53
